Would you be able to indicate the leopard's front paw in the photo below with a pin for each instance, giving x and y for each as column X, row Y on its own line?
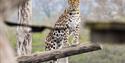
column 75, row 43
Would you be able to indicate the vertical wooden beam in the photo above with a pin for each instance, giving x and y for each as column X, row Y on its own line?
column 24, row 39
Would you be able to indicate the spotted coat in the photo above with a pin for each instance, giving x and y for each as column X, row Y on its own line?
column 67, row 25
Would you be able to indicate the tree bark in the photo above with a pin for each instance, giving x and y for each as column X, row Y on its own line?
column 24, row 39
column 59, row 53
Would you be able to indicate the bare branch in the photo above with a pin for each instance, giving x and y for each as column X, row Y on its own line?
column 59, row 53
column 34, row 28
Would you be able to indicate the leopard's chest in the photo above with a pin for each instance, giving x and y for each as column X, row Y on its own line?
column 74, row 20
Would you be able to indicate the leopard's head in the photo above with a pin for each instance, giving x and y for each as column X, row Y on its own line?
column 73, row 2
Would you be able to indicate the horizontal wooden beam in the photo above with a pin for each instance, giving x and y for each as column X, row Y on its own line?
column 105, row 25
column 59, row 53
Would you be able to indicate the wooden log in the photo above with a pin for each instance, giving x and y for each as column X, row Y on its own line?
column 59, row 53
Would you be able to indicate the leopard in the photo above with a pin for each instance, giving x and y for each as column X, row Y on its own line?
column 68, row 24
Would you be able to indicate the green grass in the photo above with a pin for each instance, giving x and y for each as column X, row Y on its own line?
column 109, row 54
column 38, row 41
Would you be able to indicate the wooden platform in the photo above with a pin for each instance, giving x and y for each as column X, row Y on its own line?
column 112, row 31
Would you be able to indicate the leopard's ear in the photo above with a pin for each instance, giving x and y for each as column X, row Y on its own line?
column 73, row 2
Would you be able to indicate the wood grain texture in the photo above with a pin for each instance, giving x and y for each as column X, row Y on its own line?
column 59, row 53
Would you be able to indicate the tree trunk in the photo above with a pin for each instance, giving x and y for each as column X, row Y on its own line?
column 24, row 39
column 6, row 51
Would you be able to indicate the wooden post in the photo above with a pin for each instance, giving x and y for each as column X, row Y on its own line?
column 24, row 39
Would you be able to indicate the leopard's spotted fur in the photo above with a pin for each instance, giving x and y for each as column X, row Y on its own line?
column 67, row 24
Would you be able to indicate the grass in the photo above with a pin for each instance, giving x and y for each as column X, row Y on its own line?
column 109, row 54
column 38, row 41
